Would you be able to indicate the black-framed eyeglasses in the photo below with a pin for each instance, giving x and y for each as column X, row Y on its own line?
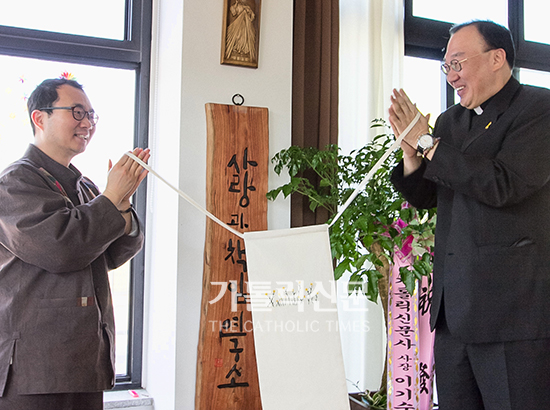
column 79, row 113
column 456, row 65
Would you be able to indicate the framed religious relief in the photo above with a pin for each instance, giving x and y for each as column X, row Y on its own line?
column 241, row 33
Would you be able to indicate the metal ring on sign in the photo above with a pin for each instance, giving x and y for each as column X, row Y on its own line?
column 237, row 96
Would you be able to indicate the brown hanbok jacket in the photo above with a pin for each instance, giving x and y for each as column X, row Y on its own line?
column 58, row 240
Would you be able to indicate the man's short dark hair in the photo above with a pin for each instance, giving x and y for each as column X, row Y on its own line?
column 495, row 35
column 45, row 94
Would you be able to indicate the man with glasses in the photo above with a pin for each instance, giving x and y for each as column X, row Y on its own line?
column 486, row 168
column 59, row 237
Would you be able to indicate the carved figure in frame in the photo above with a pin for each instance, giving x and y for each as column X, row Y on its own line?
column 241, row 31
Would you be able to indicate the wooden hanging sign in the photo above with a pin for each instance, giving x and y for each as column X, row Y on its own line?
column 236, row 187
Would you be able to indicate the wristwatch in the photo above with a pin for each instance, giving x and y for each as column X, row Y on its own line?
column 425, row 143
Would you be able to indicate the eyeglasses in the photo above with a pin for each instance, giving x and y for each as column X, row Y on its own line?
column 79, row 113
column 456, row 65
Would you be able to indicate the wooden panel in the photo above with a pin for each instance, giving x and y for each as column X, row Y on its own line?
column 237, row 174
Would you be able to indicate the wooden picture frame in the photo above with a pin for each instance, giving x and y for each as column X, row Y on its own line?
column 241, row 33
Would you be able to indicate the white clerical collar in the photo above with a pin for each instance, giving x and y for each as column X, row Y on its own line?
column 478, row 110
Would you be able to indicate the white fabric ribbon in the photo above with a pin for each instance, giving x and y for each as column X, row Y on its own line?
column 185, row 196
column 356, row 192
column 376, row 167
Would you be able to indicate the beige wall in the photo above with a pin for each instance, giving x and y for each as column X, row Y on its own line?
column 186, row 74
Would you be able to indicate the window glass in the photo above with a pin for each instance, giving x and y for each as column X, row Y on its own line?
column 452, row 12
column 423, row 82
column 98, row 18
column 112, row 94
column 534, row 77
column 536, row 18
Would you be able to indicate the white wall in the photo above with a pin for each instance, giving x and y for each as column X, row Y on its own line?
column 186, row 75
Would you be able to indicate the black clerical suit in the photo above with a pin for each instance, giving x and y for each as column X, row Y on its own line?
column 489, row 178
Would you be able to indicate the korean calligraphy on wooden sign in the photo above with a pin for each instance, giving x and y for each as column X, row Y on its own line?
column 237, row 173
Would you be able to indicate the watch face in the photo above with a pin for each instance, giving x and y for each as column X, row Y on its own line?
column 426, row 141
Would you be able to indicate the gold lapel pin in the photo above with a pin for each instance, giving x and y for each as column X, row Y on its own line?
column 488, row 125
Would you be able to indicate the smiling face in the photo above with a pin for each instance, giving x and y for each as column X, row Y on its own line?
column 58, row 134
column 483, row 74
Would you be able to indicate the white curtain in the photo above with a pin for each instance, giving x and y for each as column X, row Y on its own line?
column 371, row 61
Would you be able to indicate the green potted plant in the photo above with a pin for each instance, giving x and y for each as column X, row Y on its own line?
column 376, row 224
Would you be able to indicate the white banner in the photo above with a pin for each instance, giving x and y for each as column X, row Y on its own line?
column 293, row 300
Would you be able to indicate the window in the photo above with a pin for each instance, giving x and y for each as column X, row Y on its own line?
column 115, row 129
column 495, row 10
column 536, row 13
column 426, row 94
column 111, row 60
column 534, row 77
column 427, row 24
column 63, row 17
